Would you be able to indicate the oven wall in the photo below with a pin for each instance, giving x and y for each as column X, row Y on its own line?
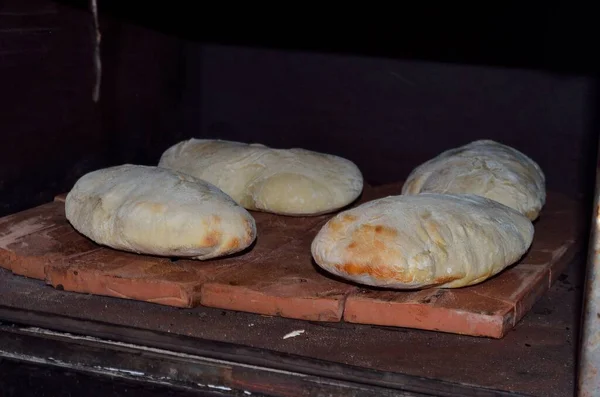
column 52, row 131
column 390, row 115
column 386, row 115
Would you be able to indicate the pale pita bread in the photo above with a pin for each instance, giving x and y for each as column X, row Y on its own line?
column 155, row 211
column 485, row 168
column 281, row 181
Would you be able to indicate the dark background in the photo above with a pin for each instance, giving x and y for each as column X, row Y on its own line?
column 387, row 90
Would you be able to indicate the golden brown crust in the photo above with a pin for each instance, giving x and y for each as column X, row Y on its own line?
column 233, row 244
column 422, row 241
column 381, row 272
column 156, row 211
column 212, row 239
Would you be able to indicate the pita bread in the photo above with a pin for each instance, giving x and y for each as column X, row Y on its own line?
column 155, row 211
column 281, row 181
column 425, row 240
column 485, row 168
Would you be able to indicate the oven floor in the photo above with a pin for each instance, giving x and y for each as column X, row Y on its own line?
column 538, row 357
column 21, row 380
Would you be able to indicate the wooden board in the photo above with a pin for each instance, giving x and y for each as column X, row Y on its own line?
column 277, row 277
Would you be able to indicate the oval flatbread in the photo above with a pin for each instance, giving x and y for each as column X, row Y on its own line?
column 155, row 211
column 425, row 240
column 281, row 181
column 485, row 168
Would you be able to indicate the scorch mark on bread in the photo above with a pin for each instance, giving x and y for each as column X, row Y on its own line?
column 422, row 241
column 156, row 211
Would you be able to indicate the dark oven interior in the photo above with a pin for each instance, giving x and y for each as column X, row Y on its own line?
column 388, row 105
column 387, row 113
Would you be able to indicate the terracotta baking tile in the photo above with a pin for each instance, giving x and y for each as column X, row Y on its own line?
column 50, row 246
column 276, row 276
column 131, row 276
column 511, row 284
column 558, row 234
column 518, row 286
column 562, row 257
column 35, row 240
column 558, row 203
column 284, row 283
column 30, row 221
column 538, row 286
column 274, row 231
column 555, row 229
column 173, row 282
column 161, row 280
column 6, row 259
column 455, row 311
column 537, row 257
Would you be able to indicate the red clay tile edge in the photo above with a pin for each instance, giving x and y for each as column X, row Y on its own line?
column 441, row 319
column 247, row 300
column 421, row 316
